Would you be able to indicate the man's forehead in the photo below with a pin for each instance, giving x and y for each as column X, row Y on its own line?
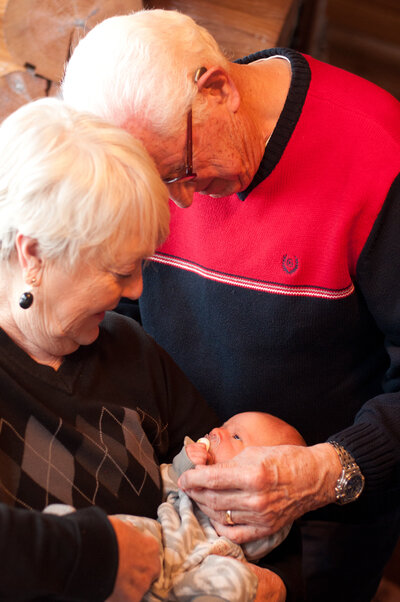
column 166, row 152
column 143, row 130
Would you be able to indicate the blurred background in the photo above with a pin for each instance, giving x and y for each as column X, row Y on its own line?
column 358, row 35
column 362, row 36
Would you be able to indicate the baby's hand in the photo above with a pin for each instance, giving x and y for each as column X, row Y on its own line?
column 198, row 452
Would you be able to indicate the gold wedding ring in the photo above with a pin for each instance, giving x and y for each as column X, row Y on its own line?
column 228, row 517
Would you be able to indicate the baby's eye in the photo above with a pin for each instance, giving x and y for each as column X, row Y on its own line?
column 236, row 436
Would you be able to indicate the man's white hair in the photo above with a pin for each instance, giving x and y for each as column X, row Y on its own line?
column 140, row 66
column 75, row 183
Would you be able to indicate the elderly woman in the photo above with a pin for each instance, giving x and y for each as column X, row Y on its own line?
column 89, row 404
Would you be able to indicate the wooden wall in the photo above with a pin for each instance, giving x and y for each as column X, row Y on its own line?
column 36, row 37
column 364, row 37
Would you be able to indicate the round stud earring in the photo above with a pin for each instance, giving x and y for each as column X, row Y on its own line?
column 26, row 299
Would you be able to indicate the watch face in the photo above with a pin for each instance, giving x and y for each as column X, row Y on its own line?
column 355, row 485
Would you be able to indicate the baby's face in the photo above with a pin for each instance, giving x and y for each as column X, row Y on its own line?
column 232, row 437
column 249, row 429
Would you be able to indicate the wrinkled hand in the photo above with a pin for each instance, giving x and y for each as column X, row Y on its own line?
column 139, row 562
column 266, row 488
column 270, row 587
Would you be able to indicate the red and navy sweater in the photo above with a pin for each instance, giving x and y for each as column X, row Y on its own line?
column 286, row 297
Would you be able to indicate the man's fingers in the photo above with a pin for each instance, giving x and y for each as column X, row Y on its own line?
column 212, row 477
column 214, row 503
column 241, row 533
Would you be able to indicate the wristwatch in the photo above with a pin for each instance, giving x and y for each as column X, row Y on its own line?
column 351, row 481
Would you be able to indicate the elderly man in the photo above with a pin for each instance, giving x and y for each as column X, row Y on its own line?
column 278, row 289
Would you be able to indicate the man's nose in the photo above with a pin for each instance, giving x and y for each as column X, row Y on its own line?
column 182, row 193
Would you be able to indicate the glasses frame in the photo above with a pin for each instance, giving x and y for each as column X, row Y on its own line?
column 189, row 173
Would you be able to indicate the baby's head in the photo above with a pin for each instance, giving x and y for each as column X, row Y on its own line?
column 249, row 429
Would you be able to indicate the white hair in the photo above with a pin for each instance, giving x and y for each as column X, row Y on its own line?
column 74, row 183
column 140, row 66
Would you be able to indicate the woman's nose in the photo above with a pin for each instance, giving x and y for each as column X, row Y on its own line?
column 134, row 288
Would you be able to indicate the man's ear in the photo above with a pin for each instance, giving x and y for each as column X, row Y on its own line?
column 218, row 84
column 28, row 256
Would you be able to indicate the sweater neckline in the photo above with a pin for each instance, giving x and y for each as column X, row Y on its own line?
column 301, row 77
column 16, row 360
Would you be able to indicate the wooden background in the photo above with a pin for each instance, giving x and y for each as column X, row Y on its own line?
column 36, row 36
column 363, row 36
column 241, row 27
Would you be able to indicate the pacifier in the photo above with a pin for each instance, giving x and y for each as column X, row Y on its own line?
column 204, row 441
column 214, row 438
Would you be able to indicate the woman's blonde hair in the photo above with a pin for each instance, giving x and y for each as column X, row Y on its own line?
column 75, row 183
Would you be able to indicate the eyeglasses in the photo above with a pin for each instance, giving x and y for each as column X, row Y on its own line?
column 189, row 173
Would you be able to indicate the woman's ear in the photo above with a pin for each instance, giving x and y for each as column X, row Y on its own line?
column 29, row 257
column 218, row 84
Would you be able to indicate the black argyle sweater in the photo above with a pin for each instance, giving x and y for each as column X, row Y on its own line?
column 90, row 435
column 287, row 299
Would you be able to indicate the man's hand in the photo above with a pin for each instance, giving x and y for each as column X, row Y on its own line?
column 139, row 562
column 266, row 488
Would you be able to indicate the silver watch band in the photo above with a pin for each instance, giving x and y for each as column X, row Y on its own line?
column 351, row 481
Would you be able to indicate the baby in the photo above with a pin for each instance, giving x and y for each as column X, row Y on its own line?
column 223, row 443
column 242, row 430
column 196, row 563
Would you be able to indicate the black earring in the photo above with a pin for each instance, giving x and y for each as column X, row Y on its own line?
column 26, row 299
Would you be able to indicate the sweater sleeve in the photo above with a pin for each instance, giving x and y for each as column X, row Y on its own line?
column 374, row 438
column 182, row 462
column 73, row 557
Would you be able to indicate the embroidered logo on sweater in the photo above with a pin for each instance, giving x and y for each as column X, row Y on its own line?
column 290, row 263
